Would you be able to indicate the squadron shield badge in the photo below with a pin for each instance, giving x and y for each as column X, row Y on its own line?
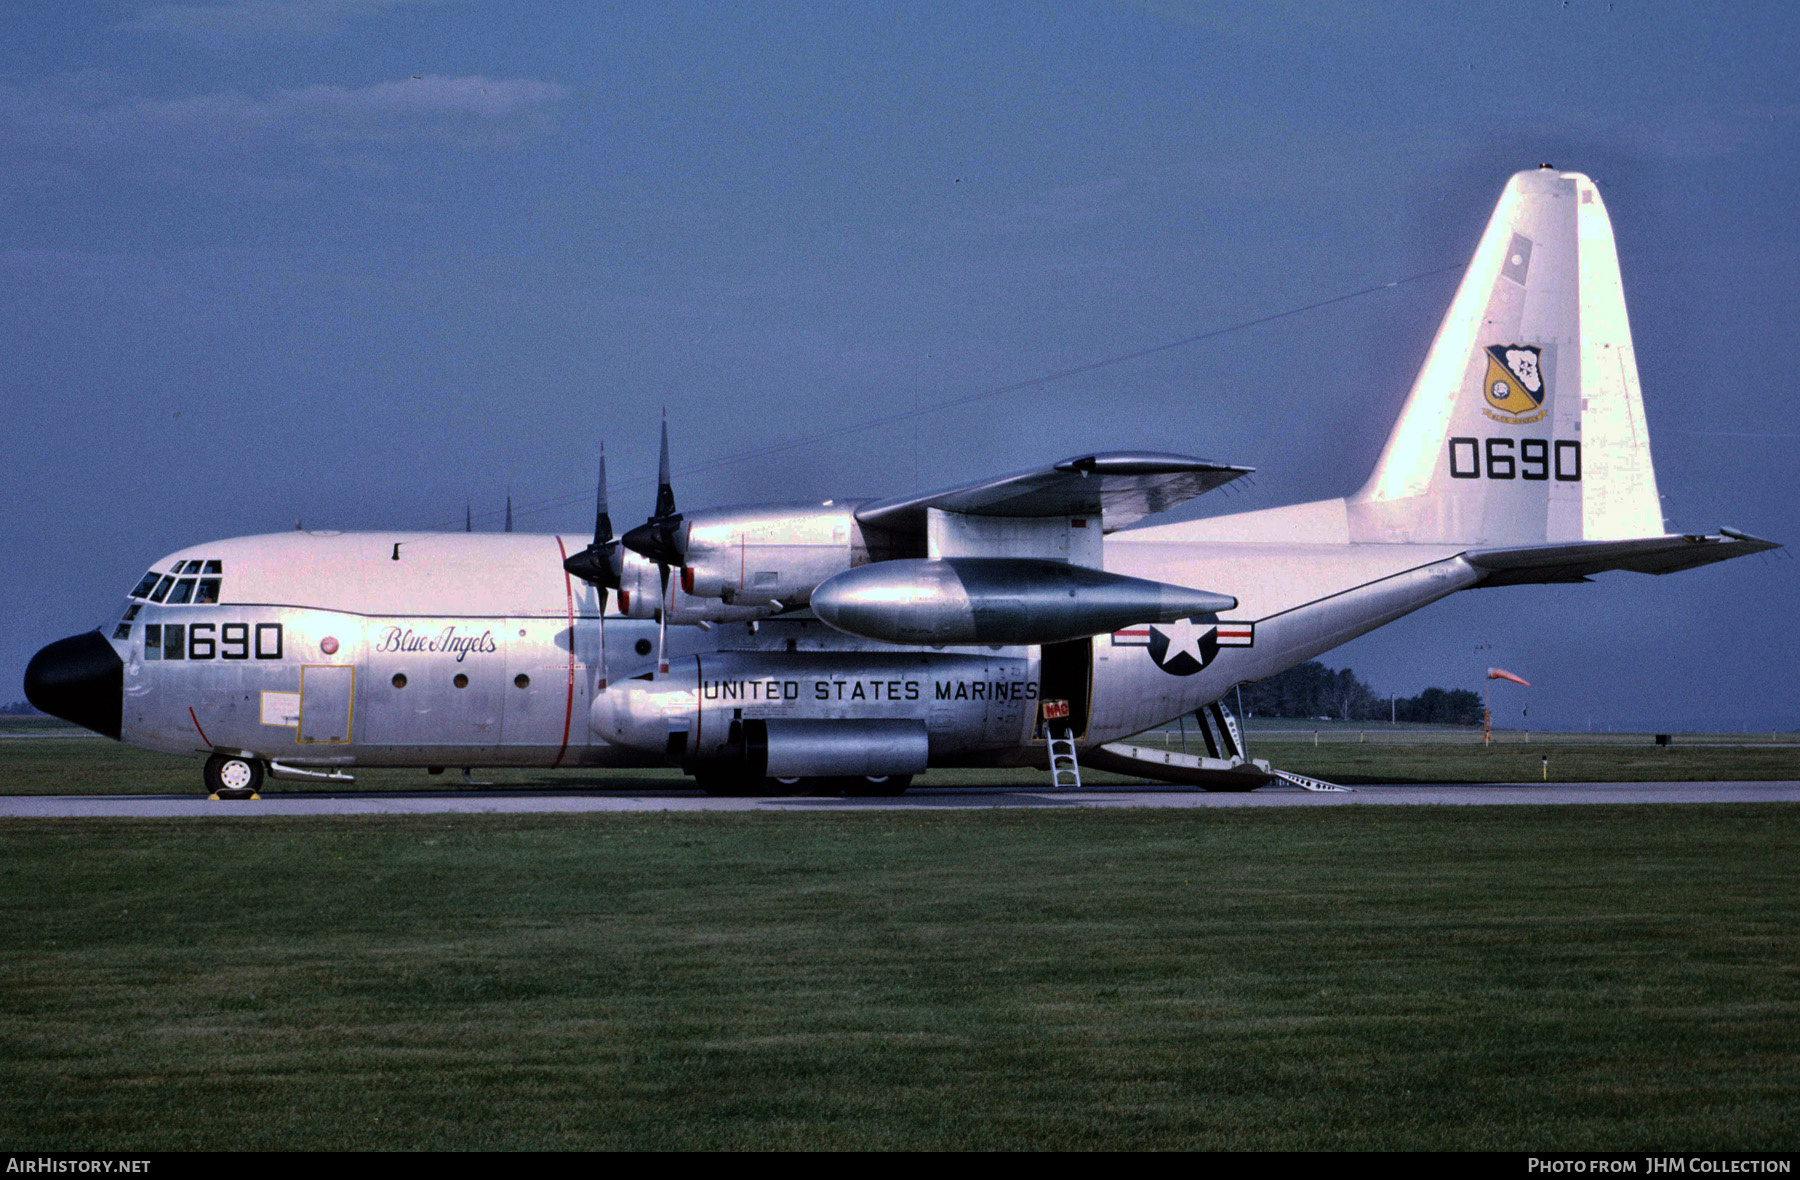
column 1514, row 386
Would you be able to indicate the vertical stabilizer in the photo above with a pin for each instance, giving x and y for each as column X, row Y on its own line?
column 1526, row 423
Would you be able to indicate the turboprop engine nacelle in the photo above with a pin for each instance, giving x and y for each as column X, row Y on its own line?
column 768, row 553
column 640, row 596
column 998, row 600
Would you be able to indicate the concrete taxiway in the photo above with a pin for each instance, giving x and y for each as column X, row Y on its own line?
column 920, row 798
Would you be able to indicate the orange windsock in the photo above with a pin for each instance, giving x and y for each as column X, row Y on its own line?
column 1503, row 674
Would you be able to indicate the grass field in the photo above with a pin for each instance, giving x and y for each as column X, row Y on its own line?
column 1417, row 977
column 73, row 762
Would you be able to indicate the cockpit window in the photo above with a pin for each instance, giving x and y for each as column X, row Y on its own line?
column 215, row 566
column 131, row 612
column 148, row 584
column 183, row 591
column 162, row 589
column 207, row 591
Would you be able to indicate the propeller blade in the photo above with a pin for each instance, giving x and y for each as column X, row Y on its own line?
column 602, row 563
column 662, row 624
column 602, row 520
column 659, row 538
column 665, row 492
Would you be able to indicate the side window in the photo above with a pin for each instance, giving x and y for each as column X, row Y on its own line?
column 184, row 590
column 148, row 584
column 174, row 641
column 153, row 641
column 162, row 589
column 207, row 591
column 122, row 631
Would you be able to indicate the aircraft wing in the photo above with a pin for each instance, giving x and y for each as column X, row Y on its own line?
column 1573, row 561
column 1119, row 487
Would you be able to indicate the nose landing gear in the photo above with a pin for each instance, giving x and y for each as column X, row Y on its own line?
column 229, row 776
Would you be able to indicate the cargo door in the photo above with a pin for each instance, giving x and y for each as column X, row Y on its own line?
column 1066, row 673
column 327, row 694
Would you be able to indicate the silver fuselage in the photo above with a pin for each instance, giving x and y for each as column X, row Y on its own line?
column 325, row 650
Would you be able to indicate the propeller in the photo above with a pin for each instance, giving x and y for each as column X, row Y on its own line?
column 660, row 540
column 602, row 563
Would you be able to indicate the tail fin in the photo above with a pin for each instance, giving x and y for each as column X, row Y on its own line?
column 1526, row 423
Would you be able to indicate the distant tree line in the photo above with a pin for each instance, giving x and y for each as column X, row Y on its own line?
column 18, row 709
column 1313, row 690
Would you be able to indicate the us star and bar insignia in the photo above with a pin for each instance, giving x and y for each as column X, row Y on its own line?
column 1185, row 647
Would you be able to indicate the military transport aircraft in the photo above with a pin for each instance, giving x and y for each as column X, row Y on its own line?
column 1017, row 620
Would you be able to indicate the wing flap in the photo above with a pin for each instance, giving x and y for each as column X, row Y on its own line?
column 1120, row 487
column 1576, row 560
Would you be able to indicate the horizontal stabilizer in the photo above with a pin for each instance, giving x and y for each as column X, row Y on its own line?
column 1119, row 487
column 1575, row 560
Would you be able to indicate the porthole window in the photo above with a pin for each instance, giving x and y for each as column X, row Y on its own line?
column 522, row 680
column 461, row 681
column 399, row 680
column 642, row 647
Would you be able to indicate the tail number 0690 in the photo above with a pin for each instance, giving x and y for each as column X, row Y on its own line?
column 1522, row 458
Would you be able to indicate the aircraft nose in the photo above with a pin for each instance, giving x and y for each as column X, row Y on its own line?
column 79, row 679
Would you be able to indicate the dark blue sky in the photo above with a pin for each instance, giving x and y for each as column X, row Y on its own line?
column 358, row 261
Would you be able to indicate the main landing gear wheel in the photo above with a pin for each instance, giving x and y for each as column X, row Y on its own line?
column 884, row 786
column 231, row 777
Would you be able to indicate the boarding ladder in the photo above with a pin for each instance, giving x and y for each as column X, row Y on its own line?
column 1065, row 771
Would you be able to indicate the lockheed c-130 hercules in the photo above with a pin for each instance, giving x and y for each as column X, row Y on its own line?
column 849, row 645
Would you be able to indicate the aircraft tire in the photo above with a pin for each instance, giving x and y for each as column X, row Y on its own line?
column 231, row 777
column 884, row 786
